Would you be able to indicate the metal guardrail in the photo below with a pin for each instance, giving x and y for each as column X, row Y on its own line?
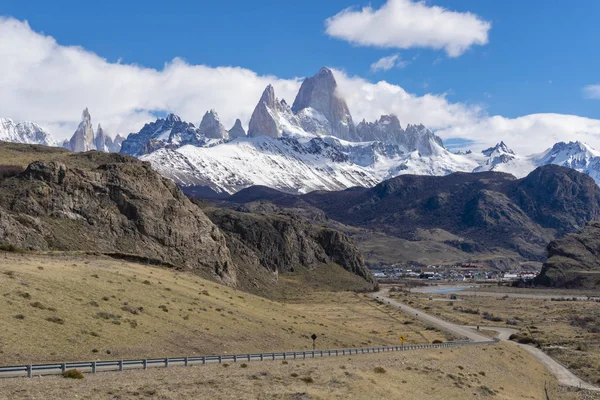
column 121, row 365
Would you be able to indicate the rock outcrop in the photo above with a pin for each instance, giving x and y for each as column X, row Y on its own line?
column 211, row 126
column 574, row 260
column 319, row 93
column 119, row 207
column 237, row 131
column 285, row 243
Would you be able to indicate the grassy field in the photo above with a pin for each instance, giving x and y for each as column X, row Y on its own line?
column 75, row 307
column 567, row 330
column 500, row 371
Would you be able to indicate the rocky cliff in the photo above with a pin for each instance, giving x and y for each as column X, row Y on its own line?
column 115, row 204
column 123, row 206
column 574, row 260
column 285, row 243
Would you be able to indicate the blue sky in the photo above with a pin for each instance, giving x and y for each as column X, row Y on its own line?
column 531, row 44
column 538, row 58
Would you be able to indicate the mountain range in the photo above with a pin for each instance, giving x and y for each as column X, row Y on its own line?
column 478, row 213
column 312, row 145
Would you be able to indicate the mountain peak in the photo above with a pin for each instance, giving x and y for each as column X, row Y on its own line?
column 237, row 130
column 172, row 118
column 499, row 149
column 85, row 116
column 319, row 93
column 211, row 126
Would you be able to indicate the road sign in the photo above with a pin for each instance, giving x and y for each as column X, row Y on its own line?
column 313, row 337
column 402, row 339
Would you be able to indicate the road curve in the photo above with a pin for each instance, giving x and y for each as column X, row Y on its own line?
column 562, row 374
column 457, row 330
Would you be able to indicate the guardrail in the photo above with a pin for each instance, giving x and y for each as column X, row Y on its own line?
column 121, row 365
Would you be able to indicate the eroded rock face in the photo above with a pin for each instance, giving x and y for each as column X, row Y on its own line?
column 319, row 93
column 283, row 243
column 123, row 207
column 211, row 126
column 574, row 260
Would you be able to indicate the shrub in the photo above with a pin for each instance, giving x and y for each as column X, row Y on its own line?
column 307, row 379
column 11, row 249
column 225, row 365
column 72, row 374
column 243, row 365
column 38, row 305
column 491, row 317
column 56, row 320
column 437, row 341
column 19, row 316
column 380, row 370
column 284, row 362
column 294, row 375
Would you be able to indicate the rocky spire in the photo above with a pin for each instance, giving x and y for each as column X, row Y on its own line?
column 83, row 138
column 211, row 127
column 319, row 94
column 100, row 140
column 237, row 131
column 262, row 121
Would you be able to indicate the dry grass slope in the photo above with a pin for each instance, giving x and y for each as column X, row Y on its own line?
column 72, row 307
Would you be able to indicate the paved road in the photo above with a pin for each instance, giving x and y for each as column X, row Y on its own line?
column 562, row 374
column 468, row 292
column 459, row 331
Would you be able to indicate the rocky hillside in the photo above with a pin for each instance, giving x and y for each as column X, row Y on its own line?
column 487, row 210
column 574, row 260
column 112, row 203
column 285, row 243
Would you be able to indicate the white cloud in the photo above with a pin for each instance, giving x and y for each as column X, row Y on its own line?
column 45, row 82
column 387, row 63
column 407, row 24
column 592, row 91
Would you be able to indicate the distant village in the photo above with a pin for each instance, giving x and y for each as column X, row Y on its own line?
column 458, row 273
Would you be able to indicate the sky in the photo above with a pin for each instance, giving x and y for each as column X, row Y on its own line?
column 476, row 72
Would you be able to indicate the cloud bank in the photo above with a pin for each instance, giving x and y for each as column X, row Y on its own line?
column 45, row 82
column 405, row 24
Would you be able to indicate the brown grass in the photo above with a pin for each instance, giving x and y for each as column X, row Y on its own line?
column 509, row 372
column 564, row 330
column 116, row 315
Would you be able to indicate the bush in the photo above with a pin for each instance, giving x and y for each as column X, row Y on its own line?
column 491, row 317
column 379, row 370
column 294, row 375
column 437, row 341
column 520, row 338
column 11, row 249
column 307, row 379
column 73, row 374
column 243, row 365
column 19, row 316
column 56, row 320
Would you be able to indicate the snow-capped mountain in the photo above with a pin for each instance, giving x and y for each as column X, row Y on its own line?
column 84, row 138
column 283, row 163
column 501, row 158
column 313, row 145
column 576, row 155
column 172, row 132
column 24, row 132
